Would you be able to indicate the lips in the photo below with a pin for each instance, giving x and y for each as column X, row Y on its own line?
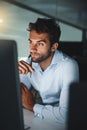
column 34, row 56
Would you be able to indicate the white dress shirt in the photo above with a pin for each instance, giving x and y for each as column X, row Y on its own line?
column 53, row 85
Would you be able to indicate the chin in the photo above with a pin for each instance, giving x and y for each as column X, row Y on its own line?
column 34, row 59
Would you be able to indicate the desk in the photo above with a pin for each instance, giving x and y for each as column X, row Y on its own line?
column 38, row 124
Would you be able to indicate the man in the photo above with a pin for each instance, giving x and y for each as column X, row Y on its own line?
column 49, row 71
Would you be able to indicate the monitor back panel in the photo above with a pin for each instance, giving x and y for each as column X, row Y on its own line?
column 11, row 115
column 77, row 116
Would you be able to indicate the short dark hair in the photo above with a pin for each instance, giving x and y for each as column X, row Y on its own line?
column 43, row 25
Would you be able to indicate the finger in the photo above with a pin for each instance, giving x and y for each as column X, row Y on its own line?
column 28, row 66
column 23, row 68
column 20, row 72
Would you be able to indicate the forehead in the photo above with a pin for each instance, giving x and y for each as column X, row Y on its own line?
column 34, row 35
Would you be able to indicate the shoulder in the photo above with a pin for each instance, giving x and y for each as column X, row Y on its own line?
column 64, row 59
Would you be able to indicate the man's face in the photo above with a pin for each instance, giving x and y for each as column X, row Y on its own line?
column 40, row 48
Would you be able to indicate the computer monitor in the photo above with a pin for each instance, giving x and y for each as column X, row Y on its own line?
column 77, row 116
column 11, row 115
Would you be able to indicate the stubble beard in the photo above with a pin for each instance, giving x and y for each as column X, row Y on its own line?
column 42, row 58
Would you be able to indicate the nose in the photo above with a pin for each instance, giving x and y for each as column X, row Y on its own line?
column 33, row 47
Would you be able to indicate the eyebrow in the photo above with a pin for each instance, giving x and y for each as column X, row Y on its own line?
column 42, row 41
column 39, row 40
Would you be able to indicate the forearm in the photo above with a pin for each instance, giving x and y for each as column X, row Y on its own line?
column 51, row 113
column 27, row 98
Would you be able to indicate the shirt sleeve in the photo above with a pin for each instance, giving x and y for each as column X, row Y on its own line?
column 58, row 113
column 25, row 80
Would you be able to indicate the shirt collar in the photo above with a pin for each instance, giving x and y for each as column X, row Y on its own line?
column 56, row 58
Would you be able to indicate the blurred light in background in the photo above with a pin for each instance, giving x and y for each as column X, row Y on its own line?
column 1, row 21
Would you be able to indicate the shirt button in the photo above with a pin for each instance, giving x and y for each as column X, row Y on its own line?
column 38, row 115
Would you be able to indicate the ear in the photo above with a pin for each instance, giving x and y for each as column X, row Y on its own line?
column 54, row 47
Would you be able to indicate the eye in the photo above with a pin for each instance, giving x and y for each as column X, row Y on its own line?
column 41, row 43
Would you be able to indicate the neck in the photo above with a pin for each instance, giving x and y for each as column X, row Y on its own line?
column 44, row 64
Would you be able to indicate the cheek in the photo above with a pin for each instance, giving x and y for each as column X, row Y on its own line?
column 43, row 51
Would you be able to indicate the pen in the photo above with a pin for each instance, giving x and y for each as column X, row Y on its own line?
column 31, row 66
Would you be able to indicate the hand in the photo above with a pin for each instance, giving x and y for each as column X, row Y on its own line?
column 24, row 67
column 27, row 98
